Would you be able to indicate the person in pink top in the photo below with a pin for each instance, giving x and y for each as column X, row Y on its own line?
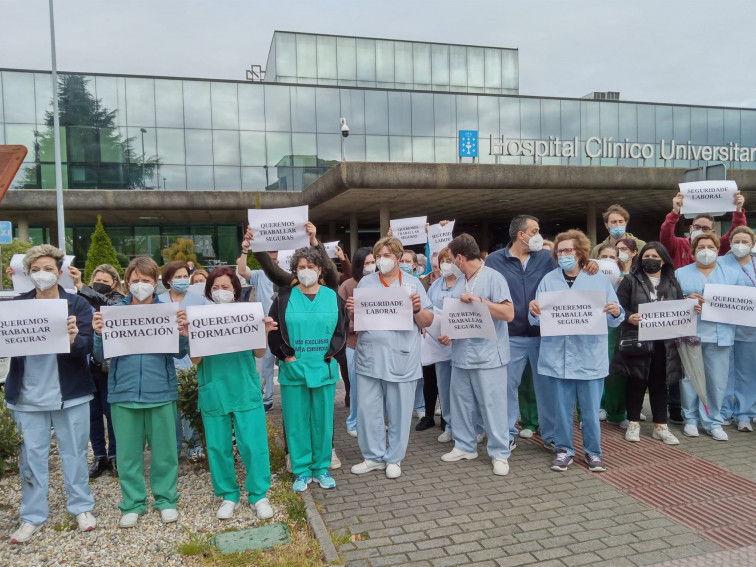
column 679, row 246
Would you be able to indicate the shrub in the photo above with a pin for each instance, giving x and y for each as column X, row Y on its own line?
column 15, row 247
column 183, row 249
column 10, row 439
column 188, row 401
column 101, row 251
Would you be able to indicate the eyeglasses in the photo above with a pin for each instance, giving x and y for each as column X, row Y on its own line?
column 702, row 228
column 565, row 251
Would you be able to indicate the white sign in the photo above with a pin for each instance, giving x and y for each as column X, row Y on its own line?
column 220, row 329
column 198, row 289
column 667, row 319
column 439, row 236
column 467, row 320
column 573, row 312
column 708, row 197
column 410, row 230
column 611, row 270
column 431, row 351
column 34, row 326
column 23, row 283
column 273, row 229
column 330, row 248
column 284, row 259
column 382, row 309
column 140, row 329
column 733, row 304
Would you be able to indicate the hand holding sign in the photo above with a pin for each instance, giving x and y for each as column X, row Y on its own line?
column 409, row 230
column 573, row 312
column 33, row 326
column 383, row 309
column 465, row 320
column 710, row 196
column 138, row 329
column 275, row 229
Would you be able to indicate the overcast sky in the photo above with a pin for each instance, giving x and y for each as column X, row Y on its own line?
column 697, row 52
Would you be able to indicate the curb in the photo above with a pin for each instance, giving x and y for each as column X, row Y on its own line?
column 319, row 530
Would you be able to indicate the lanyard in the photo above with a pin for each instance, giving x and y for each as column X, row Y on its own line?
column 473, row 279
column 384, row 281
column 746, row 272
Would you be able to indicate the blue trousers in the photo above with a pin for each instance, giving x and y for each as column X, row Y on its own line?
column 443, row 378
column 351, row 421
column 486, row 388
column 521, row 350
column 267, row 363
column 419, row 403
column 99, row 408
column 745, row 381
column 545, row 402
column 716, row 361
column 398, row 398
column 588, row 394
column 72, row 433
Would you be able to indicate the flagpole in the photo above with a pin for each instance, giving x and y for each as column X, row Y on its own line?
column 56, row 134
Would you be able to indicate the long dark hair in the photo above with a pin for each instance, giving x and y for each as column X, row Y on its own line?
column 668, row 288
column 358, row 261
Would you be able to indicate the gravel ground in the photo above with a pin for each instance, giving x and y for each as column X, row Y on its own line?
column 150, row 543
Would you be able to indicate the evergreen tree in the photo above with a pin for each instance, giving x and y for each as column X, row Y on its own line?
column 182, row 250
column 101, row 251
column 15, row 247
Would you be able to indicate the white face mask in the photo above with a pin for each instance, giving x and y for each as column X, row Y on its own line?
column 623, row 257
column 368, row 269
column 385, row 265
column 447, row 269
column 694, row 234
column 44, row 280
column 706, row 257
column 222, row 296
column 740, row 250
column 307, row 277
column 141, row 290
column 535, row 243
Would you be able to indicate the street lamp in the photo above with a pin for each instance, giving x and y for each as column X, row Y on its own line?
column 143, row 131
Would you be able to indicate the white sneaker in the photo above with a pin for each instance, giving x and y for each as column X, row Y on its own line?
column 718, row 434
column 419, row 414
column 393, row 470
column 86, row 521
column 128, row 520
column 335, row 462
column 445, row 437
column 690, row 430
column 352, row 432
column 643, row 416
column 664, row 434
column 500, row 467
column 437, row 412
column 457, row 455
column 526, row 433
column 367, row 466
column 263, row 509
column 226, row 510
column 727, row 422
column 169, row 515
column 25, row 532
column 481, row 436
column 602, row 415
column 745, row 426
column 633, row 431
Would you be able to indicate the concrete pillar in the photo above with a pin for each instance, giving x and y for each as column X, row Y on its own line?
column 485, row 237
column 23, row 228
column 331, row 231
column 385, row 219
column 354, row 241
column 590, row 223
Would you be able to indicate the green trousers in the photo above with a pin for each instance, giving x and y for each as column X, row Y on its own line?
column 614, row 398
column 308, row 421
column 527, row 400
column 252, row 442
column 157, row 426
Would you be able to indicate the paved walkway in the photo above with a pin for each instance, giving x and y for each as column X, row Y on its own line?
column 441, row 514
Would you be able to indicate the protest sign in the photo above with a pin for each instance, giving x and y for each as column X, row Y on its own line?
column 284, row 259
column 230, row 327
column 410, row 230
column 667, row 319
column 467, row 320
column 733, row 304
column 34, row 326
column 330, row 248
column 23, row 283
column 140, row 329
column 611, row 270
column 572, row 312
column 198, row 289
column 439, row 236
column 273, row 229
column 710, row 196
column 431, row 351
column 382, row 309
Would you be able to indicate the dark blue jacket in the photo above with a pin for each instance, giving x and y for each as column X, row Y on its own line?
column 73, row 368
column 523, row 283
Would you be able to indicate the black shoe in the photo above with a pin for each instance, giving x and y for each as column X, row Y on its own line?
column 425, row 423
column 99, row 466
column 268, row 407
column 113, row 466
column 675, row 415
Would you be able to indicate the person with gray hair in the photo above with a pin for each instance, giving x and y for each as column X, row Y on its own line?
column 47, row 390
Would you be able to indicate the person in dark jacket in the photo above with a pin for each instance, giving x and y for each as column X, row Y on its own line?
column 652, row 278
column 104, row 289
column 312, row 328
column 53, row 390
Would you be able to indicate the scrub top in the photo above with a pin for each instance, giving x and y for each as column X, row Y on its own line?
column 263, row 289
column 691, row 280
column 393, row 356
column 438, row 291
column 228, row 383
column 483, row 353
column 40, row 386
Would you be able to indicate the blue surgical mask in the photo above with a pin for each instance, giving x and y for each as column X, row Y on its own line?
column 567, row 262
column 617, row 231
column 407, row 269
column 180, row 285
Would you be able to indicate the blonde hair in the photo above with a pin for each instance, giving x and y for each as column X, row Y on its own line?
column 145, row 266
column 445, row 252
column 743, row 230
column 705, row 236
column 393, row 244
column 582, row 244
column 40, row 251
column 112, row 272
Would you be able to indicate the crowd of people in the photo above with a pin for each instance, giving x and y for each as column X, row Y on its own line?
column 492, row 390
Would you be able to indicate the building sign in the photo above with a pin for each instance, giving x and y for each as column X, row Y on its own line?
column 468, row 143
column 6, row 232
column 595, row 147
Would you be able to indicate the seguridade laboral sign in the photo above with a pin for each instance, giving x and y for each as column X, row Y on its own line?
column 595, row 147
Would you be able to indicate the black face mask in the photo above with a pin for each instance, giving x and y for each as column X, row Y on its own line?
column 102, row 288
column 651, row 266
